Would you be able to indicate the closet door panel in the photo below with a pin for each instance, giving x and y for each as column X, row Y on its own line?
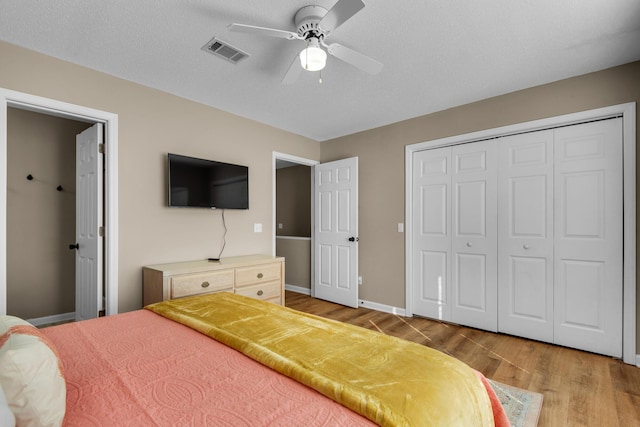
column 433, row 279
column 528, row 206
column 432, row 233
column 470, row 284
column 474, row 237
column 525, row 235
column 528, row 298
column 588, row 237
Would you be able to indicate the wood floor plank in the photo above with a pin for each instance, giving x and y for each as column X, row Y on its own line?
column 628, row 409
column 625, row 380
column 579, row 388
column 588, row 377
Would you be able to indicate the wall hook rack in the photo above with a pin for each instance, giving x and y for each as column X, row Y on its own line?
column 30, row 177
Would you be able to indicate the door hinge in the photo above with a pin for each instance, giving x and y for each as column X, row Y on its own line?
column 101, row 231
column 101, row 148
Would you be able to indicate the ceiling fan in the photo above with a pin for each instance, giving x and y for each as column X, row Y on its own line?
column 314, row 24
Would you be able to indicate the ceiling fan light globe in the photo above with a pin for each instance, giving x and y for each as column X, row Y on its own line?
column 313, row 58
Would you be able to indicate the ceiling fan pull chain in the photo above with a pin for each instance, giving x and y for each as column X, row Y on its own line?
column 306, row 56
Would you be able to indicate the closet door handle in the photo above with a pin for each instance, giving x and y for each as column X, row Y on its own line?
column 74, row 246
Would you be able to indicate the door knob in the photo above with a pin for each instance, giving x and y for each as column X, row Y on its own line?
column 354, row 239
column 74, row 246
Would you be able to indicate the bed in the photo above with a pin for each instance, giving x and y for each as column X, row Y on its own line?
column 228, row 360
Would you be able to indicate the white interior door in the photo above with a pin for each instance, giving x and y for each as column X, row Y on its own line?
column 525, row 235
column 432, row 233
column 474, row 238
column 588, row 237
column 336, row 231
column 89, row 166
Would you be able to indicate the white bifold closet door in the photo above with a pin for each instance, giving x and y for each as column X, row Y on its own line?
column 455, row 223
column 523, row 235
column 525, row 247
column 588, row 237
column 474, row 237
column 560, row 236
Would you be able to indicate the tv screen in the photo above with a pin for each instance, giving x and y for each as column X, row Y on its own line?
column 201, row 183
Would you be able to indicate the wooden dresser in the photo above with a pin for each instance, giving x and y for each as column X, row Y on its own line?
column 257, row 276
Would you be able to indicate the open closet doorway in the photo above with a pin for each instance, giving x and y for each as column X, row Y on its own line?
column 97, row 283
column 41, row 215
column 293, row 220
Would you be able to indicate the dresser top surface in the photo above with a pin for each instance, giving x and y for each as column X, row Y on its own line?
column 170, row 269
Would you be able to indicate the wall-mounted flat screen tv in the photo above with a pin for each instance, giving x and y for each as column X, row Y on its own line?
column 201, row 183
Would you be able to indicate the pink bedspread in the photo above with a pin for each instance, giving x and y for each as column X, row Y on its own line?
column 140, row 369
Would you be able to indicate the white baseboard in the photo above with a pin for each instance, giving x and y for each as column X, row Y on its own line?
column 298, row 289
column 362, row 303
column 55, row 318
column 383, row 307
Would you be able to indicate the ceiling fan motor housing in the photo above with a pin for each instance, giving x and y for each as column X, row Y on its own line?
column 307, row 20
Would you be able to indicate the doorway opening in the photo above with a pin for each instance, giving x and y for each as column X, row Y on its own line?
column 292, row 219
column 41, row 216
column 333, row 242
column 21, row 101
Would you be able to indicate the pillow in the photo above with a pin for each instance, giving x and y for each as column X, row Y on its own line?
column 30, row 374
column 6, row 416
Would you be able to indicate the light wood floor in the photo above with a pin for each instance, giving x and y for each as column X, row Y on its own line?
column 579, row 388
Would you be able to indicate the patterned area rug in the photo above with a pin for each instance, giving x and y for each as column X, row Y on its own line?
column 522, row 406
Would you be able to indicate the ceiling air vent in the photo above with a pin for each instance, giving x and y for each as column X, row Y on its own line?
column 224, row 50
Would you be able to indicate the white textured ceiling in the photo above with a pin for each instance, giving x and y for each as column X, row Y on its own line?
column 436, row 54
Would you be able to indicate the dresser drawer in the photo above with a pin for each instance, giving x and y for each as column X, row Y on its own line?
column 202, row 283
column 263, row 291
column 258, row 274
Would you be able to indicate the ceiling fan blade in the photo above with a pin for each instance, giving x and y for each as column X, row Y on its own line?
column 262, row 31
column 339, row 13
column 357, row 59
column 293, row 72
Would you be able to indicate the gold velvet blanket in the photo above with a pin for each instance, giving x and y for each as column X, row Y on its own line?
column 391, row 381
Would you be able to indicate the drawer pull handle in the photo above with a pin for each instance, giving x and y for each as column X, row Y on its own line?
column 260, row 275
column 260, row 292
column 205, row 284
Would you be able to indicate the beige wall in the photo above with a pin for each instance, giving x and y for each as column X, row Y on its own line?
column 153, row 123
column 293, row 201
column 40, row 219
column 381, row 161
